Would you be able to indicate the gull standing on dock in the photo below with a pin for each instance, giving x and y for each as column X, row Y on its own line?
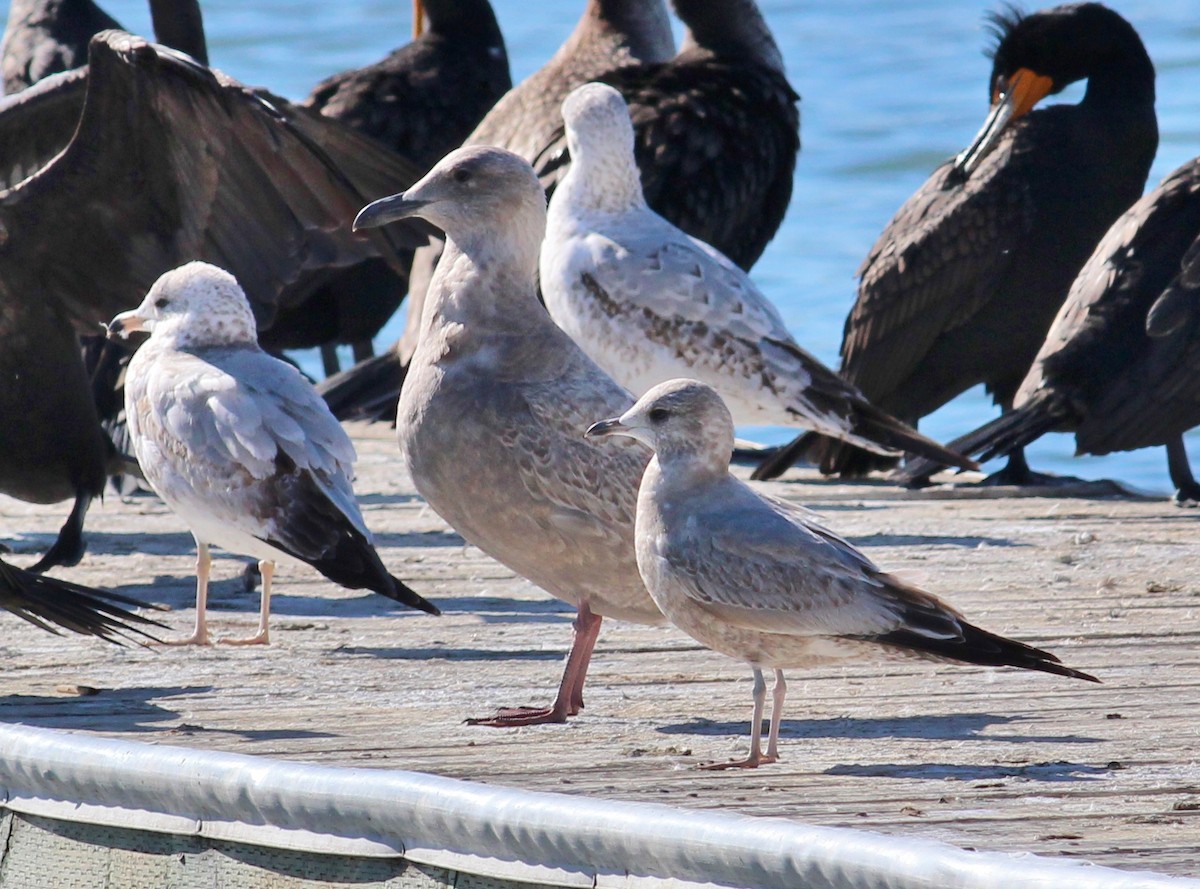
column 491, row 416
column 648, row 302
column 758, row 579
column 239, row 445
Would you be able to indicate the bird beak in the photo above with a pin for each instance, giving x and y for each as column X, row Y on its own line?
column 1023, row 90
column 125, row 324
column 418, row 19
column 606, row 427
column 385, row 210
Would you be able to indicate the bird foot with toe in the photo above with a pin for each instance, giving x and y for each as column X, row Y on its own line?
column 750, row 762
column 197, row 638
column 514, row 717
column 259, row 638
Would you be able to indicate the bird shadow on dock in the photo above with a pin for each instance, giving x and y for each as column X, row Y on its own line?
column 935, row 771
column 109, row 709
column 969, row 542
column 450, row 654
column 940, row 727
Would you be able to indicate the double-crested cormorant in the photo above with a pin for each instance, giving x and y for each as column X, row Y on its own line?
column 239, row 445
column 1121, row 365
column 44, row 37
column 421, row 101
column 759, row 580
column 117, row 173
column 50, row 602
column 426, row 97
column 648, row 303
column 964, row 282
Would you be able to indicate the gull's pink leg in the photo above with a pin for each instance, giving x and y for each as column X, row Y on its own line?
column 200, row 634
column 569, row 700
column 267, row 570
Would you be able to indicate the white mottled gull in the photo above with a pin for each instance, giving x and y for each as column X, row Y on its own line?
column 493, row 409
column 239, row 445
column 648, row 302
column 758, row 579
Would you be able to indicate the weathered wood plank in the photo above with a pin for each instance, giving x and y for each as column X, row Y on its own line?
column 980, row 758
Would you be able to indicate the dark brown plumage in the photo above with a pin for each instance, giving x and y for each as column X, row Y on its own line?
column 963, row 283
column 426, row 97
column 170, row 162
column 610, row 34
column 50, row 602
column 1121, row 365
column 45, row 37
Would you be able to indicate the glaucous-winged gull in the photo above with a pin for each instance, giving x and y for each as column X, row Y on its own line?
column 759, row 579
column 239, row 445
column 648, row 302
column 491, row 414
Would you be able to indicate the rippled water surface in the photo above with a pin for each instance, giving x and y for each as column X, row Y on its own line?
column 890, row 88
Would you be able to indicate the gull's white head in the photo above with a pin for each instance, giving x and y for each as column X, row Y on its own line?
column 684, row 421
column 197, row 304
column 604, row 173
column 486, row 200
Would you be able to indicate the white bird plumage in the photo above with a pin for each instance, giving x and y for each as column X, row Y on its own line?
column 238, row 443
column 759, row 579
column 648, row 302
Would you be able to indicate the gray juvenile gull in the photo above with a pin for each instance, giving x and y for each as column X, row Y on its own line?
column 758, row 579
column 648, row 302
column 491, row 416
column 239, row 445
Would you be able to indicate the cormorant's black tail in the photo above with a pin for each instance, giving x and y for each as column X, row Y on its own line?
column 1006, row 433
column 838, row 457
column 50, row 602
column 367, row 391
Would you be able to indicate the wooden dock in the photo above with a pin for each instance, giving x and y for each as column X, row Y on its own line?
column 988, row 759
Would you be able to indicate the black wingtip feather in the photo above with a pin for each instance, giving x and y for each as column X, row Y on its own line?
column 977, row 646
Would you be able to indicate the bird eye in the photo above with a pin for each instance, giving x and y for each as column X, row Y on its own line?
column 461, row 175
column 161, row 302
column 659, row 415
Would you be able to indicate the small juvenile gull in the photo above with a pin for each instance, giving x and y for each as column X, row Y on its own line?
column 496, row 398
column 758, row 579
column 648, row 302
column 239, row 445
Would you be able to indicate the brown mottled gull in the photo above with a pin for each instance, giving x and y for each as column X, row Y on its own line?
column 239, row 445
column 491, row 416
column 758, row 579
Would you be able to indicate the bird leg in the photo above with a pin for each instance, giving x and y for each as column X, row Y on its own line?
column 1017, row 472
column 760, row 699
column 1187, row 492
column 68, row 548
column 267, row 570
column 569, row 700
column 778, row 693
column 203, row 564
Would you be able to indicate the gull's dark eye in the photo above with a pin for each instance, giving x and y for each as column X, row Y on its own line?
column 161, row 302
column 659, row 415
column 461, row 175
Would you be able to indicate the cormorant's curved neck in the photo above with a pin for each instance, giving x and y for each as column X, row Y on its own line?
column 1124, row 80
column 733, row 28
column 179, row 25
column 642, row 24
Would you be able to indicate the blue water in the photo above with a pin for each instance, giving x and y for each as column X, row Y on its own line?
column 890, row 88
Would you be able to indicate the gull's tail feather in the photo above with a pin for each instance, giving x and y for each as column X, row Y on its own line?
column 50, row 602
column 367, row 391
column 977, row 646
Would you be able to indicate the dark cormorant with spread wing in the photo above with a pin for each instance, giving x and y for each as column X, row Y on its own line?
column 114, row 174
column 1121, row 365
column 964, row 282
